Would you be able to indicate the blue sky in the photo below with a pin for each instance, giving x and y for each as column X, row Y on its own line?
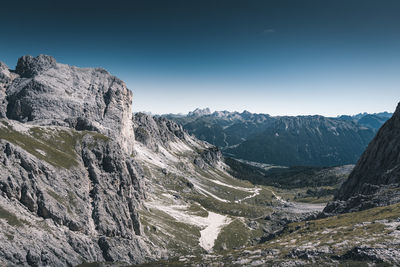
column 278, row 57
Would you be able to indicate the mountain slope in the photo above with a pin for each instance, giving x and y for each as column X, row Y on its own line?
column 376, row 177
column 306, row 141
column 291, row 141
column 193, row 204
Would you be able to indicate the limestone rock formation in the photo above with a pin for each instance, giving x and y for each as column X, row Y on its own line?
column 6, row 77
column 152, row 131
column 50, row 93
column 87, row 211
column 69, row 189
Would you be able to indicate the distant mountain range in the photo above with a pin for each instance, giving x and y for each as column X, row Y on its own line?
column 285, row 140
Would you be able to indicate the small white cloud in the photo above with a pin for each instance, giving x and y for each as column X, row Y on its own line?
column 268, row 31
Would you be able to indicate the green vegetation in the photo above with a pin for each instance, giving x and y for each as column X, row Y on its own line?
column 302, row 145
column 40, row 147
column 53, row 145
column 174, row 182
column 228, row 179
column 301, row 184
column 341, row 233
column 63, row 200
column 197, row 210
column 233, row 209
column 288, row 178
column 72, row 199
column 222, row 191
column 10, row 237
column 234, row 235
column 56, row 196
column 164, row 230
column 11, row 218
column 264, row 198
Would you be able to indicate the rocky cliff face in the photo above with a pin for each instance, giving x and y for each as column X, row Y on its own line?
column 69, row 189
column 48, row 93
column 375, row 180
column 6, row 77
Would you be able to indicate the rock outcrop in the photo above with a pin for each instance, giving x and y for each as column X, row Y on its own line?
column 154, row 131
column 69, row 189
column 6, row 77
column 50, row 93
column 375, row 180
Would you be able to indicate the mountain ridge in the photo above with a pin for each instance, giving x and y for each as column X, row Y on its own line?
column 254, row 137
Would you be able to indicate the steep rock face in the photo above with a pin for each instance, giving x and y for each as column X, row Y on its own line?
column 375, row 179
column 87, row 99
column 152, row 131
column 81, row 206
column 6, row 77
column 69, row 189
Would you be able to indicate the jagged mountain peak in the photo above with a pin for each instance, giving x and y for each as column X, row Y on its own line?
column 3, row 66
column 29, row 66
column 199, row 112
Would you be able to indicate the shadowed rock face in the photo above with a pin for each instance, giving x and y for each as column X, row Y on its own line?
column 376, row 177
column 6, row 77
column 50, row 93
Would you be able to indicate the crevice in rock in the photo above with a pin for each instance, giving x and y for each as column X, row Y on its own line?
column 105, row 247
column 92, row 188
column 107, row 99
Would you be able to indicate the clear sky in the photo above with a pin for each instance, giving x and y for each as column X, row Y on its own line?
column 279, row 57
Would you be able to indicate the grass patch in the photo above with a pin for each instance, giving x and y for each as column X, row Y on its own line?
column 165, row 231
column 216, row 174
column 341, row 232
column 174, row 182
column 10, row 237
column 264, row 198
column 233, row 209
column 197, row 210
column 62, row 200
column 11, row 218
column 234, row 235
column 53, row 145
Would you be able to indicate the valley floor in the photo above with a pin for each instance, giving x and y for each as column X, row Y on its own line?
column 196, row 211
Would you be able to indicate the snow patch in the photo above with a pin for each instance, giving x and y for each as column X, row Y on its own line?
column 211, row 225
column 210, row 233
